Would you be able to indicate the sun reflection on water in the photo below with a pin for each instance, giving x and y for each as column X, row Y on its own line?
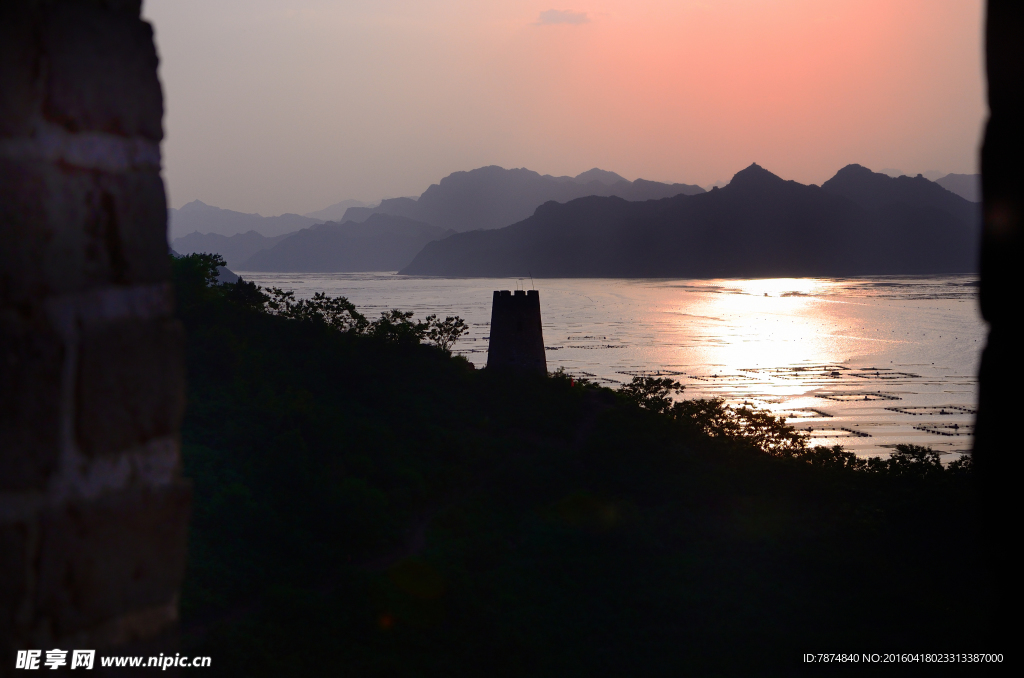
column 760, row 323
column 800, row 347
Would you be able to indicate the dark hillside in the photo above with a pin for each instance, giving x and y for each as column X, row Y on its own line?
column 758, row 225
column 368, row 503
column 874, row 190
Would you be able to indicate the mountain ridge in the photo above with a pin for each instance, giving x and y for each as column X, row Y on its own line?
column 758, row 225
column 234, row 248
column 493, row 197
column 381, row 243
column 967, row 186
column 198, row 217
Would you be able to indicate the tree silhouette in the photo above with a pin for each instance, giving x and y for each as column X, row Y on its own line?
column 444, row 333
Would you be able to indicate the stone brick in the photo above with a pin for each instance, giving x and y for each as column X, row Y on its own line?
column 113, row 555
column 31, row 357
column 101, row 70
column 65, row 230
column 130, row 384
column 24, row 234
column 13, row 568
column 133, row 7
column 138, row 206
column 83, row 267
column 19, row 70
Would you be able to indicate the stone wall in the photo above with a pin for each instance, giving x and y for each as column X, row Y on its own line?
column 93, row 512
column 997, row 441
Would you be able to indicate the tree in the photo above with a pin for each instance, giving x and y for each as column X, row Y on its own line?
column 398, row 327
column 652, row 393
column 444, row 333
column 336, row 312
column 909, row 461
column 708, row 416
column 195, row 276
column 247, row 294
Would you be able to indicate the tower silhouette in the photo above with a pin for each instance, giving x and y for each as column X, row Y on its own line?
column 517, row 341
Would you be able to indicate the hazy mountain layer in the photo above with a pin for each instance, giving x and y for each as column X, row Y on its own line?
column 382, row 243
column 967, row 186
column 336, row 211
column 199, row 217
column 493, row 197
column 235, row 249
column 857, row 223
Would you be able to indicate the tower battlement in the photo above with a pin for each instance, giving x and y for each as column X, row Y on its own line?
column 517, row 340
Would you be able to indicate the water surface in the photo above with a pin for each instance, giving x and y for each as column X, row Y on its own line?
column 865, row 362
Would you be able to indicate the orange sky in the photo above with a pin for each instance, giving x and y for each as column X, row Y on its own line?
column 291, row 105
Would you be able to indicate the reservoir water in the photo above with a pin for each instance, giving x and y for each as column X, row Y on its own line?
column 864, row 362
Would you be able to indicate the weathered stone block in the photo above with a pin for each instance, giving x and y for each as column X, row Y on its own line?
column 24, row 235
column 139, row 210
column 116, row 554
column 31, row 357
column 133, row 7
column 102, row 71
column 19, row 70
column 14, row 559
column 64, row 230
column 131, row 385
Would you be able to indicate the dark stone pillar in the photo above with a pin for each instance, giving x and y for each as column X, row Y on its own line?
column 517, row 339
column 93, row 512
column 998, row 446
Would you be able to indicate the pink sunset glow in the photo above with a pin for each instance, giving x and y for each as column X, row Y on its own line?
column 290, row 106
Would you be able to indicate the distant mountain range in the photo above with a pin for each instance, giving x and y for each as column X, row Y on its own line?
column 857, row 223
column 336, row 211
column 382, row 243
column 235, row 249
column 628, row 215
column 489, row 197
column 493, row 197
column 199, row 217
column 967, row 186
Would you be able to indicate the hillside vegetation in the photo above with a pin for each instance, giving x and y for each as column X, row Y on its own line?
column 367, row 504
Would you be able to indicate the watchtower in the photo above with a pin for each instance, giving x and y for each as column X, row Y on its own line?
column 517, row 341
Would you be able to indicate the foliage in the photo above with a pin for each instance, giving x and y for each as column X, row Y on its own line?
column 398, row 327
column 711, row 417
column 707, row 416
column 444, row 333
column 366, row 504
column 206, row 265
column 963, row 466
column 195, row 277
column 908, row 461
column 561, row 376
column 770, row 434
column 338, row 313
column 195, row 274
column 247, row 295
column 832, row 458
column 652, row 393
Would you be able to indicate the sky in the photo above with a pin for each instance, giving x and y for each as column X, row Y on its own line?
column 277, row 106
